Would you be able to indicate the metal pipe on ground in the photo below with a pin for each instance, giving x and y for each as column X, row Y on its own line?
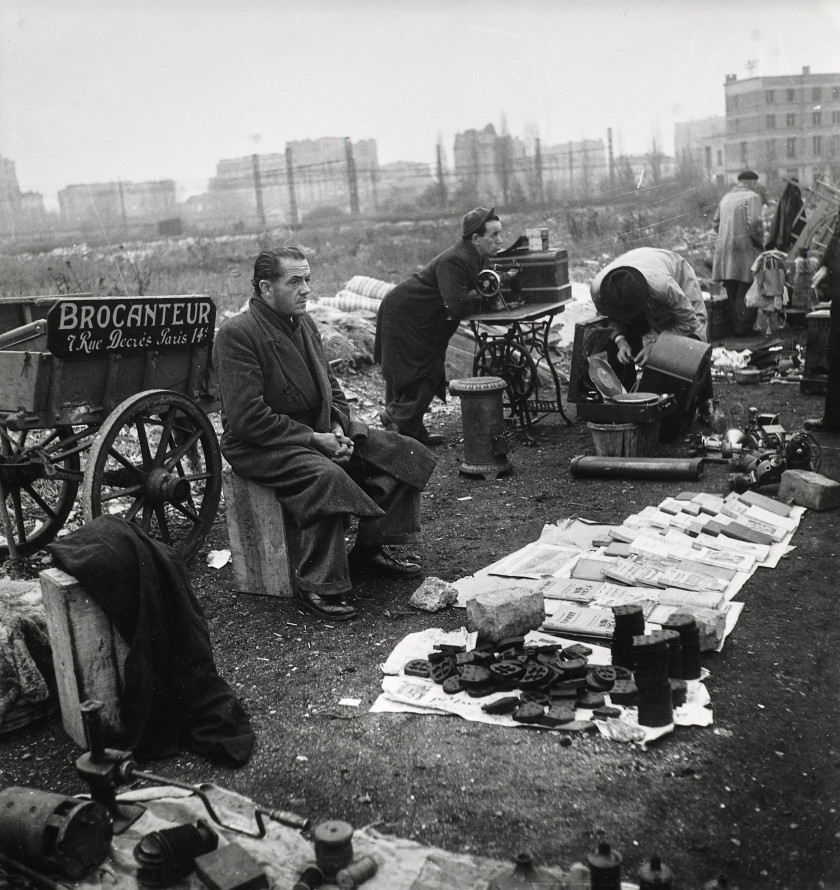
column 637, row 467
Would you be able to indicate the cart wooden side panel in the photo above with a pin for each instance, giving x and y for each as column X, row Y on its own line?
column 45, row 387
column 18, row 311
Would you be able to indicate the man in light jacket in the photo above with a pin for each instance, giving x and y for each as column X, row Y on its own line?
column 644, row 292
column 740, row 239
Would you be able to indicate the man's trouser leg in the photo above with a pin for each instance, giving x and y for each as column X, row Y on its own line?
column 741, row 317
column 406, row 407
column 401, row 503
column 319, row 556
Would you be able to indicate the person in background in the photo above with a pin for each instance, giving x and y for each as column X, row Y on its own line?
column 287, row 425
column 418, row 318
column 740, row 239
column 788, row 219
column 644, row 292
column 826, row 281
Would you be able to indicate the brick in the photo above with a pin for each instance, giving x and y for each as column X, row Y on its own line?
column 751, row 498
column 809, row 489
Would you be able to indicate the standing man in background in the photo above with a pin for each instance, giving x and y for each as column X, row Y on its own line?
column 740, row 239
column 827, row 281
column 418, row 318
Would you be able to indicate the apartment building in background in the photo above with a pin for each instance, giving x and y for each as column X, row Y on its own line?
column 784, row 126
column 311, row 174
column 117, row 206
column 700, row 148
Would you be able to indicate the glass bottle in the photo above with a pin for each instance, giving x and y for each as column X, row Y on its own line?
column 719, row 421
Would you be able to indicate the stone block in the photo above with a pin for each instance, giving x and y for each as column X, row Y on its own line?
column 809, row 489
column 505, row 612
column 433, row 595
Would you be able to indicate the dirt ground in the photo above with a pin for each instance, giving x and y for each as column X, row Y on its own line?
column 754, row 795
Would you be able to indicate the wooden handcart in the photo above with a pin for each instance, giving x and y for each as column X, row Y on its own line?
column 106, row 401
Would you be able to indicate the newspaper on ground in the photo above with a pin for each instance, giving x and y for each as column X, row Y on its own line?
column 417, row 695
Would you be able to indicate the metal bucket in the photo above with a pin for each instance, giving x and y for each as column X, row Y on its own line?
column 625, row 439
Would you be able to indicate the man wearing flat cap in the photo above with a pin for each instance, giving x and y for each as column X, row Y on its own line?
column 644, row 292
column 419, row 316
column 740, row 239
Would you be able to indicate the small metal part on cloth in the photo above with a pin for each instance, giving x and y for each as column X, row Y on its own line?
column 356, row 873
column 311, row 878
column 333, row 842
column 230, row 868
column 168, row 855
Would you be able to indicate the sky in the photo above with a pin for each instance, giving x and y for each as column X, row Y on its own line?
column 100, row 90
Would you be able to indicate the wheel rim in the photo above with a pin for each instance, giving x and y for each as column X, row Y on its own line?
column 514, row 365
column 156, row 462
column 38, row 503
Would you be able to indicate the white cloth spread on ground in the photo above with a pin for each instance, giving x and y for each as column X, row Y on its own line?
column 284, row 853
column 681, row 567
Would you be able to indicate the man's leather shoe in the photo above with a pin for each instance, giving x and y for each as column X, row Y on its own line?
column 381, row 565
column 332, row 606
column 430, row 439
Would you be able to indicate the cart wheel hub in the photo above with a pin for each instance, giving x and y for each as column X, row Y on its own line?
column 167, row 486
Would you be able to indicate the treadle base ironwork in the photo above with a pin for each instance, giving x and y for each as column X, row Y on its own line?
column 517, row 356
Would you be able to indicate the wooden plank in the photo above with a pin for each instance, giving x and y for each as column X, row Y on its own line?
column 88, row 654
column 257, row 534
column 26, row 378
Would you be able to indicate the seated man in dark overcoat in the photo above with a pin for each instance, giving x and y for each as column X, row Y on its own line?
column 287, row 425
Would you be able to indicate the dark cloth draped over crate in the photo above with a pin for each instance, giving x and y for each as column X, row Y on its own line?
column 173, row 695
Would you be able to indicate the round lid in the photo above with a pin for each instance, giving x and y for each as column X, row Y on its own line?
column 636, row 398
column 604, row 377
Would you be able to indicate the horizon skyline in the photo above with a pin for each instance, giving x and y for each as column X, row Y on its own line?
column 97, row 91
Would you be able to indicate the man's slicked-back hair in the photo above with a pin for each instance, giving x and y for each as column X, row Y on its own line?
column 268, row 265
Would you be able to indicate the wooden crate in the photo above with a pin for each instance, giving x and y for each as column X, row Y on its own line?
column 88, row 654
column 257, row 532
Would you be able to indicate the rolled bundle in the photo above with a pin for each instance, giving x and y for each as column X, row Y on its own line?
column 369, row 287
column 348, row 301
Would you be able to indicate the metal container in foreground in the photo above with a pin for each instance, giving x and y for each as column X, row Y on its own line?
column 482, row 416
column 43, row 829
column 637, row 467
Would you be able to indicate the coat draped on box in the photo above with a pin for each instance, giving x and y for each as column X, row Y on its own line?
column 419, row 316
column 272, row 403
column 787, row 223
column 172, row 693
column 740, row 235
column 675, row 302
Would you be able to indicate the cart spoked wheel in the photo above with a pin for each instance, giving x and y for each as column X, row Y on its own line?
column 40, row 472
column 156, row 462
column 511, row 363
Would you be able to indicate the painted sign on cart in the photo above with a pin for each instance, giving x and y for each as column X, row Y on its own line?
column 89, row 326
